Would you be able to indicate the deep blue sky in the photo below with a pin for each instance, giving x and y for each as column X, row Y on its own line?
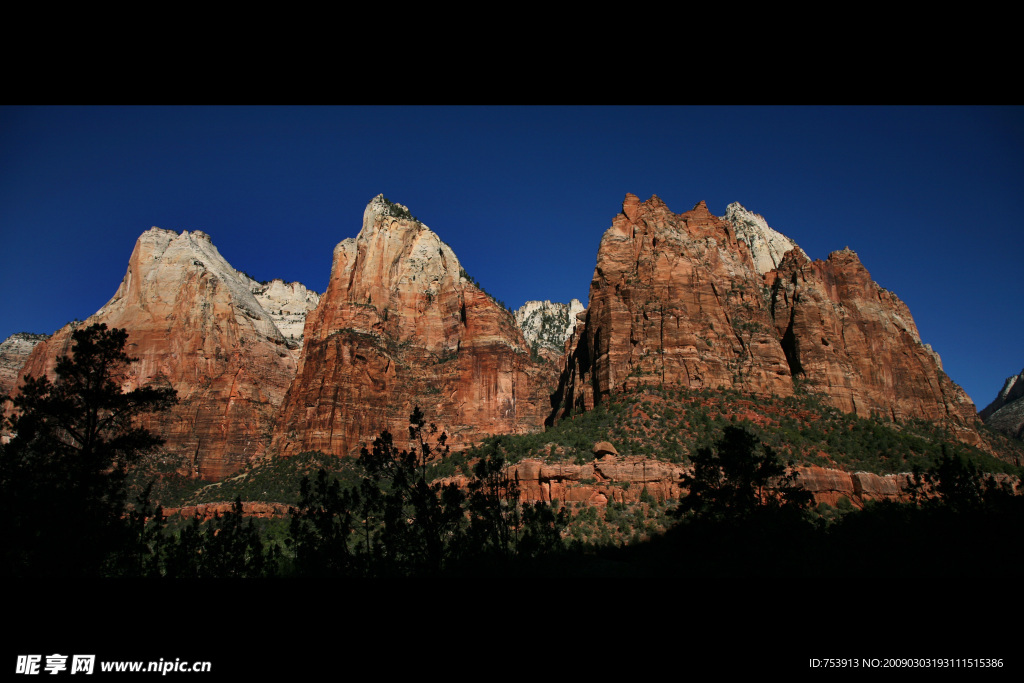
column 930, row 197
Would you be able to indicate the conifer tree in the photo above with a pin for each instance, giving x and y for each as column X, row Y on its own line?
column 62, row 476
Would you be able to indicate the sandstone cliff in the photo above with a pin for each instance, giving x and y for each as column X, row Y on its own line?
column 675, row 298
column 1006, row 412
column 857, row 343
column 402, row 326
column 622, row 479
column 195, row 326
column 707, row 302
column 14, row 352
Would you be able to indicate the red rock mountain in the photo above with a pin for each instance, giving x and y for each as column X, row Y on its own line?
column 674, row 299
column 857, row 343
column 402, row 326
column 680, row 298
column 688, row 299
column 195, row 325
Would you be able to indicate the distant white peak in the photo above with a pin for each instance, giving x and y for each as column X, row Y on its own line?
column 548, row 324
column 196, row 250
column 1012, row 387
column 767, row 246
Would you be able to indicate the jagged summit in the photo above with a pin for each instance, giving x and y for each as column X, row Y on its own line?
column 767, row 246
column 401, row 327
column 547, row 325
column 709, row 302
column 1006, row 412
column 395, row 264
column 381, row 205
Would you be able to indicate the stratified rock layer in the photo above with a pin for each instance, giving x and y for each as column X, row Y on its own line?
column 701, row 301
column 401, row 327
column 195, row 326
column 767, row 246
column 675, row 299
column 857, row 344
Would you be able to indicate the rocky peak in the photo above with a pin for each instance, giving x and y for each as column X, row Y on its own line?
column 674, row 299
column 400, row 327
column 708, row 302
column 1006, row 412
column 196, row 326
column 287, row 304
column 767, row 246
column 393, row 271
column 162, row 258
column 547, row 325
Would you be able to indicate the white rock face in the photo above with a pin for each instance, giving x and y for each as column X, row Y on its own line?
column 287, row 304
column 767, row 246
column 14, row 351
column 158, row 245
column 548, row 324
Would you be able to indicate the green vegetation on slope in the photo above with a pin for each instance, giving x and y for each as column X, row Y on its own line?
column 672, row 424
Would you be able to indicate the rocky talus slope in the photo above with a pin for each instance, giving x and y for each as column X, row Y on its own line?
column 702, row 301
column 401, row 327
column 195, row 326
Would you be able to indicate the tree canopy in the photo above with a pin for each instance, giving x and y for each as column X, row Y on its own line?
column 62, row 475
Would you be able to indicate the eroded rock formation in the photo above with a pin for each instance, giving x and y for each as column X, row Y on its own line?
column 195, row 326
column 547, row 325
column 702, row 301
column 287, row 304
column 622, row 479
column 402, row 326
column 675, row 299
column 1006, row 412
column 14, row 352
column 856, row 343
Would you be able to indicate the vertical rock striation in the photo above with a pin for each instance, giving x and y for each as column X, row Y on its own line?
column 857, row 343
column 701, row 301
column 195, row 326
column 675, row 299
column 400, row 327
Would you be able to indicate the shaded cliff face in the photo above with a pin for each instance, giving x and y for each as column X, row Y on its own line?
column 195, row 326
column 1006, row 412
column 676, row 299
column 400, row 327
column 707, row 302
